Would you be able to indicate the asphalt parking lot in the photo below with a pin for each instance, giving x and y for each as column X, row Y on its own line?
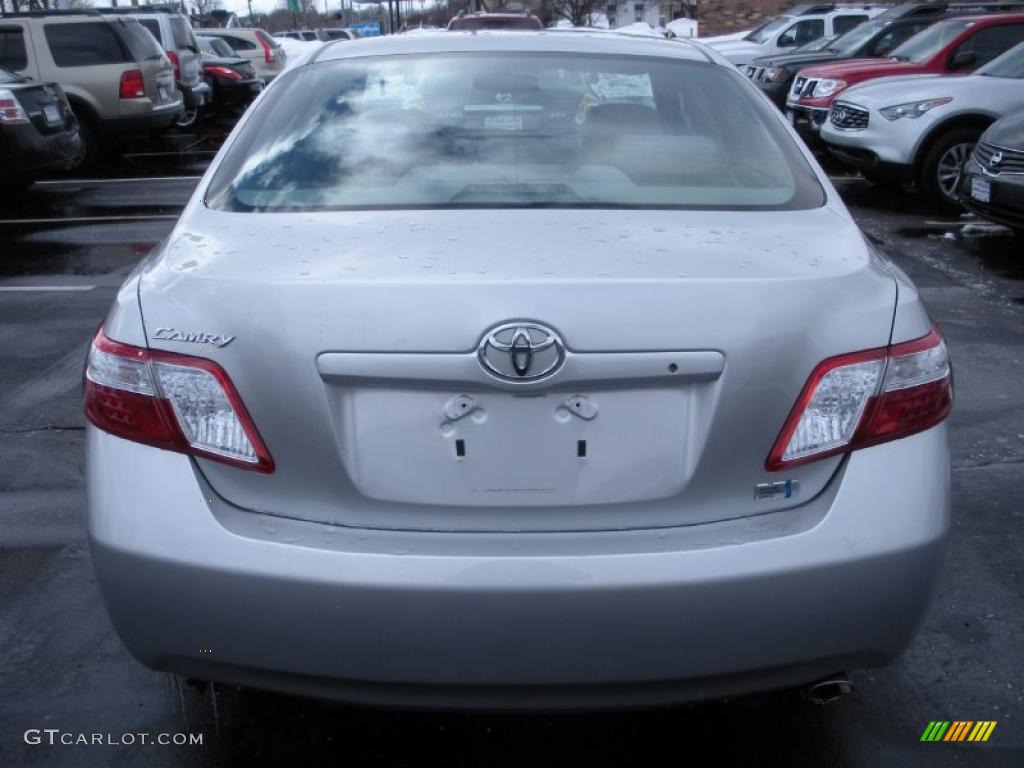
column 64, row 248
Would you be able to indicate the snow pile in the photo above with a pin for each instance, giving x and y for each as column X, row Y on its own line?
column 640, row 29
column 682, row 28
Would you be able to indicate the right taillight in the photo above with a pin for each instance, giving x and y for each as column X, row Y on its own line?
column 175, row 402
column 268, row 52
column 865, row 398
column 132, row 85
column 175, row 64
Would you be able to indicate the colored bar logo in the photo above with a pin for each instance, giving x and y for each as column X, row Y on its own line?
column 958, row 730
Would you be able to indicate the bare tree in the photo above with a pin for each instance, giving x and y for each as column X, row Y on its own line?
column 576, row 12
column 203, row 7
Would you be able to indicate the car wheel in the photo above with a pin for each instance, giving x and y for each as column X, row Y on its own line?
column 90, row 145
column 189, row 118
column 939, row 173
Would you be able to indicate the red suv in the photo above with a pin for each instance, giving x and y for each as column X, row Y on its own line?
column 956, row 45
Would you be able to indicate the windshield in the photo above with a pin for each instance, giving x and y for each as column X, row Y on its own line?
column 216, row 47
column 6, row 76
column 923, row 46
column 1010, row 64
column 509, row 130
column 851, row 41
column 766, row 30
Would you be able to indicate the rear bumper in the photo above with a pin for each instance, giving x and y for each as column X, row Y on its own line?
column 508, row 621
column 195, row 95
column 23, row 149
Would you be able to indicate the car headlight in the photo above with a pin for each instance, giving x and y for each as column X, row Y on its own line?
column 912, row 109
column 827, row 88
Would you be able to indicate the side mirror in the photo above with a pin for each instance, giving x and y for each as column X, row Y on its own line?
column 963, row 59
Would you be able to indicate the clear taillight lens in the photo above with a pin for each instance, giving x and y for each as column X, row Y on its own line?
column 11, row 111
column 865, row 398
column 204, row 413
column 176, row 402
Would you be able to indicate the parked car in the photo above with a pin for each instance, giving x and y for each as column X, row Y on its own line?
column 174, row 33
column 954, row 45
column 992, row 183
column 922, row 129
column 307, row 35
column 497, row 407
column 114, row 74
column 38, row 130
column 232, row 79
column 480, row 21
column 263, row 52
column 774, row 74
column 338, row 33
column 802, row 24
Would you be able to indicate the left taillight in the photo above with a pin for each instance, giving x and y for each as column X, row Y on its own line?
column 866, row 398
column 133, row 86
column 11, row 112
column 175, row 402
column 223, row 72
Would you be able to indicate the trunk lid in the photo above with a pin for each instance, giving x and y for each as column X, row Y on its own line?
column 356, row 355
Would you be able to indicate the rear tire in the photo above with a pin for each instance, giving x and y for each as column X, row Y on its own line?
column 90, row 145
column 938, row 175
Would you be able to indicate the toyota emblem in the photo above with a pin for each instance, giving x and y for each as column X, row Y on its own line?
column 521, row 351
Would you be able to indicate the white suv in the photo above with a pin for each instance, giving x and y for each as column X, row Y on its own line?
column 800, row 25
column 921, row 129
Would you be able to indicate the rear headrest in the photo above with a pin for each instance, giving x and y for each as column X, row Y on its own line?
column 661, row 157
column 633, row 118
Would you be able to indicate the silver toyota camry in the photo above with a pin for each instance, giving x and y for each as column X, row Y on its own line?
column 516, row 370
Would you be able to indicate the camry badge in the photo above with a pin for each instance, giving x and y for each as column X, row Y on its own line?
column 521, row 351
column 193, row 337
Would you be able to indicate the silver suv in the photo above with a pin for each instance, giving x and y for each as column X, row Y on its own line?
column 116, row 78
column 174, row 33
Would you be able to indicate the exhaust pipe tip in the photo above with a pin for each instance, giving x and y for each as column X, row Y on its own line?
column 829, row 689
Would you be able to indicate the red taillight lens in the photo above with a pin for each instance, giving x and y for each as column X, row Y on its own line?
column 176, row 63
column 132, row 85
column 268, row 52
column 175, row 402
column 865, row 398
column 222, row 72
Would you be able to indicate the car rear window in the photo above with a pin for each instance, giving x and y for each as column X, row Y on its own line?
column 153, row 26
column 86, row 44
column 6, row 76
column 512, row 130
column 182, row 33
column 12, row 48
column 141, row 44
column 238, row 43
